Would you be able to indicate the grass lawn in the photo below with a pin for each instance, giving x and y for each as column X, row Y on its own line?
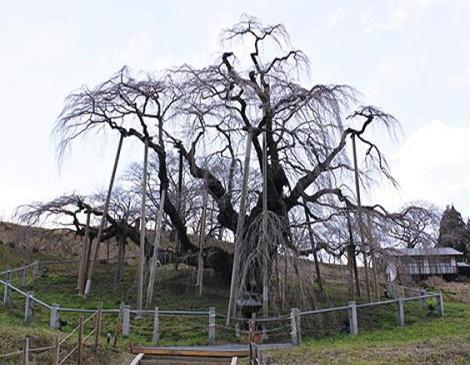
column 434, row 341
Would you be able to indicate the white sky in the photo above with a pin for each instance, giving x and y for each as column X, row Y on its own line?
column 409, row 57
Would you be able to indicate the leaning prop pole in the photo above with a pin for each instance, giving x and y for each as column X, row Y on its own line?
column 140, row 280
column 202, row 238
column 156, row 248
column 84, row 256
column 103, row 218
column 265, row 228
column 240, row 230
column 361, row 222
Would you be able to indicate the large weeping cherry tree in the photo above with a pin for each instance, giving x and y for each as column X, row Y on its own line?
column 254, row 112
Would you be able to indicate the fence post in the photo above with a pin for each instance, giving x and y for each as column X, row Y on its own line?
column 400, row 312
column 26, row 351
column 211, row 325
column 422, row 293
column 29, row 307
column 126, row 320
column 36, row 268
column 7, row 292
column 55, row 316
column 156, row 326
column 98, row 327
column 440, row 304
column 293, row 327
column 352, row 312
column 23, row 276
column 80, row 340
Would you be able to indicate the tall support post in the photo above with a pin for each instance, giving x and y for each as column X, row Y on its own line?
column 140, row 281
column 202, row 239
column 240, row 231
column 211, row 326
column 54, row 322
column 156, row 326
column 29, row 307
column 84, row 256
column 103, row 219
column 313, row 248
column 156, row 248
column 353, row 255
column 361, row 222
column 265, row 228
column 352, row 311
column 126, row 320
column 179, row 192
column 400, row 312
column 440, row 304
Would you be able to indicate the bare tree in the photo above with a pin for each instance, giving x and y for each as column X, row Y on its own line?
column 206, row 113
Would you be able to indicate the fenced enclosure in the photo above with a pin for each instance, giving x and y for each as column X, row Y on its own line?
column 200, row 327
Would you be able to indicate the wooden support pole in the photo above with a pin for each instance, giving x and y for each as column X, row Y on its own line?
column 202, row 239
column 265, row 252
column 80, row 341
column 98, row 318
column 352, row 310
column 353, row 255
column 156, row 249
column 56, row 350
column 211, row 326
column 140, row 280
column 422, row 301
column 240, row 231
column 361, row 222
column 156, row 326
column 179, row 193
column 83, row 257
column 103, row 219
column 314, row 249
column 26, row 350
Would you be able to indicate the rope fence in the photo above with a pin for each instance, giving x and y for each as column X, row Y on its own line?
column 156, row 325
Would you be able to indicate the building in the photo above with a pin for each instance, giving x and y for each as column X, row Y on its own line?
column 420, row 263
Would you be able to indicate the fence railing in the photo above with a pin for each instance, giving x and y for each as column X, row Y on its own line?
column 285, row 328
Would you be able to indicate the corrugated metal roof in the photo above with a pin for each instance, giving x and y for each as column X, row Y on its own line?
column 432, row 251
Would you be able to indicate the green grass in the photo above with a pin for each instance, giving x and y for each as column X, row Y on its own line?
column 422, row 341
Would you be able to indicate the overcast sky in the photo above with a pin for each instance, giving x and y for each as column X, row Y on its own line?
column 410, row 57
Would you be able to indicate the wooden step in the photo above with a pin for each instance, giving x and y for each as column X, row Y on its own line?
column 184, row 360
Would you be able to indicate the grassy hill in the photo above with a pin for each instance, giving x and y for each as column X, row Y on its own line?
column 426, row 339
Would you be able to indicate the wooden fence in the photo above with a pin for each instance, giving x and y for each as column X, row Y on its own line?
column 290, row 328
column 60, row 344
